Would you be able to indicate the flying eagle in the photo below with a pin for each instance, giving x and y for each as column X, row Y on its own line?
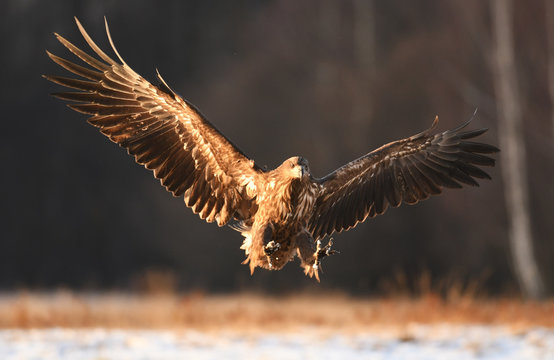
column 283, row 212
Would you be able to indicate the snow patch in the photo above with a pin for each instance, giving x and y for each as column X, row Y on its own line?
column 447, row 342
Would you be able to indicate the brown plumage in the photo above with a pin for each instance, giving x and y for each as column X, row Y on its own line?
column 283, row 212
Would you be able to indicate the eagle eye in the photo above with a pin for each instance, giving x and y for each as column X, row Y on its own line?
column 291, row 165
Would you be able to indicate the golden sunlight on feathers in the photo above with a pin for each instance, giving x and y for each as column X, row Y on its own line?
column 282, row 213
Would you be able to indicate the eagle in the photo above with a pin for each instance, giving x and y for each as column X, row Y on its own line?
column 281, row 213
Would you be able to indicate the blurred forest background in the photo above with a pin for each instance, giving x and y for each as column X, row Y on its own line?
column 328, row 80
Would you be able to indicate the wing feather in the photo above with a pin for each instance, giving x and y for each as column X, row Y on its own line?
column 162, row 131
column 408, row 170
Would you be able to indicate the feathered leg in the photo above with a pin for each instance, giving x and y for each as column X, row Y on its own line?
column 270, row 246
column 311, row 253
column 306, row 252
column 259, row 245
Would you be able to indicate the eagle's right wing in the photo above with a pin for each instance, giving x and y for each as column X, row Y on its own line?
column 407, row 170
column 163, row 132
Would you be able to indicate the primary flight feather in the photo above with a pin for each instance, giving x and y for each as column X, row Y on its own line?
column 283, row 212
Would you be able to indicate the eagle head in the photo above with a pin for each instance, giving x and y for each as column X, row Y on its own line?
column 295, row 167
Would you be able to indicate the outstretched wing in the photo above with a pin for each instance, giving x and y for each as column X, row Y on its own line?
column 407, row 170
column 162, row 131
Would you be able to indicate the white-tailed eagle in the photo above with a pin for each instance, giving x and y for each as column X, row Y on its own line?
column 283, row 212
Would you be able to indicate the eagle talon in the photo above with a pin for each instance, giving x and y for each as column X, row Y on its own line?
column 322, row 252
column 271, row 248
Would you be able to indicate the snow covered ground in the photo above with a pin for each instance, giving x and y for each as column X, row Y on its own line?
column 446, row 342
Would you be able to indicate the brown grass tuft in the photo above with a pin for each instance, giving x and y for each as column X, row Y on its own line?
column 255, row 312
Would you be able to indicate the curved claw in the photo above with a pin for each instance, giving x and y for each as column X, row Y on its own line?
column 271, row 247
column 322, row 252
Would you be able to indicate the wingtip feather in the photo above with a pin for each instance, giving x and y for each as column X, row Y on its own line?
column 111, row 41
column 50, row 55
column 93, row 45
column 435, row 122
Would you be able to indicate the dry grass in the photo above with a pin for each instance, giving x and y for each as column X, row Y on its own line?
column 248, row 312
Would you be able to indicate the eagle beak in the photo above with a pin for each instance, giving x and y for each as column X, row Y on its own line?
column 303, row 171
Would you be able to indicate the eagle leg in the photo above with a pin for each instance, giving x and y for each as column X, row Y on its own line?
column 311, row 253
column 321, row 252
column 270, row 246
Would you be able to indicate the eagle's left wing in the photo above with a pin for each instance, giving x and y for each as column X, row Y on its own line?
column 407, row 170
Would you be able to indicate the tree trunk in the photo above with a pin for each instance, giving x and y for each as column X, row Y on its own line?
column 364, row 35
column 512, row 156
column 328, row 19
column 550, row 51
column 364, row 59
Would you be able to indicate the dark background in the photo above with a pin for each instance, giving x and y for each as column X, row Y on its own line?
column 326, row 80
